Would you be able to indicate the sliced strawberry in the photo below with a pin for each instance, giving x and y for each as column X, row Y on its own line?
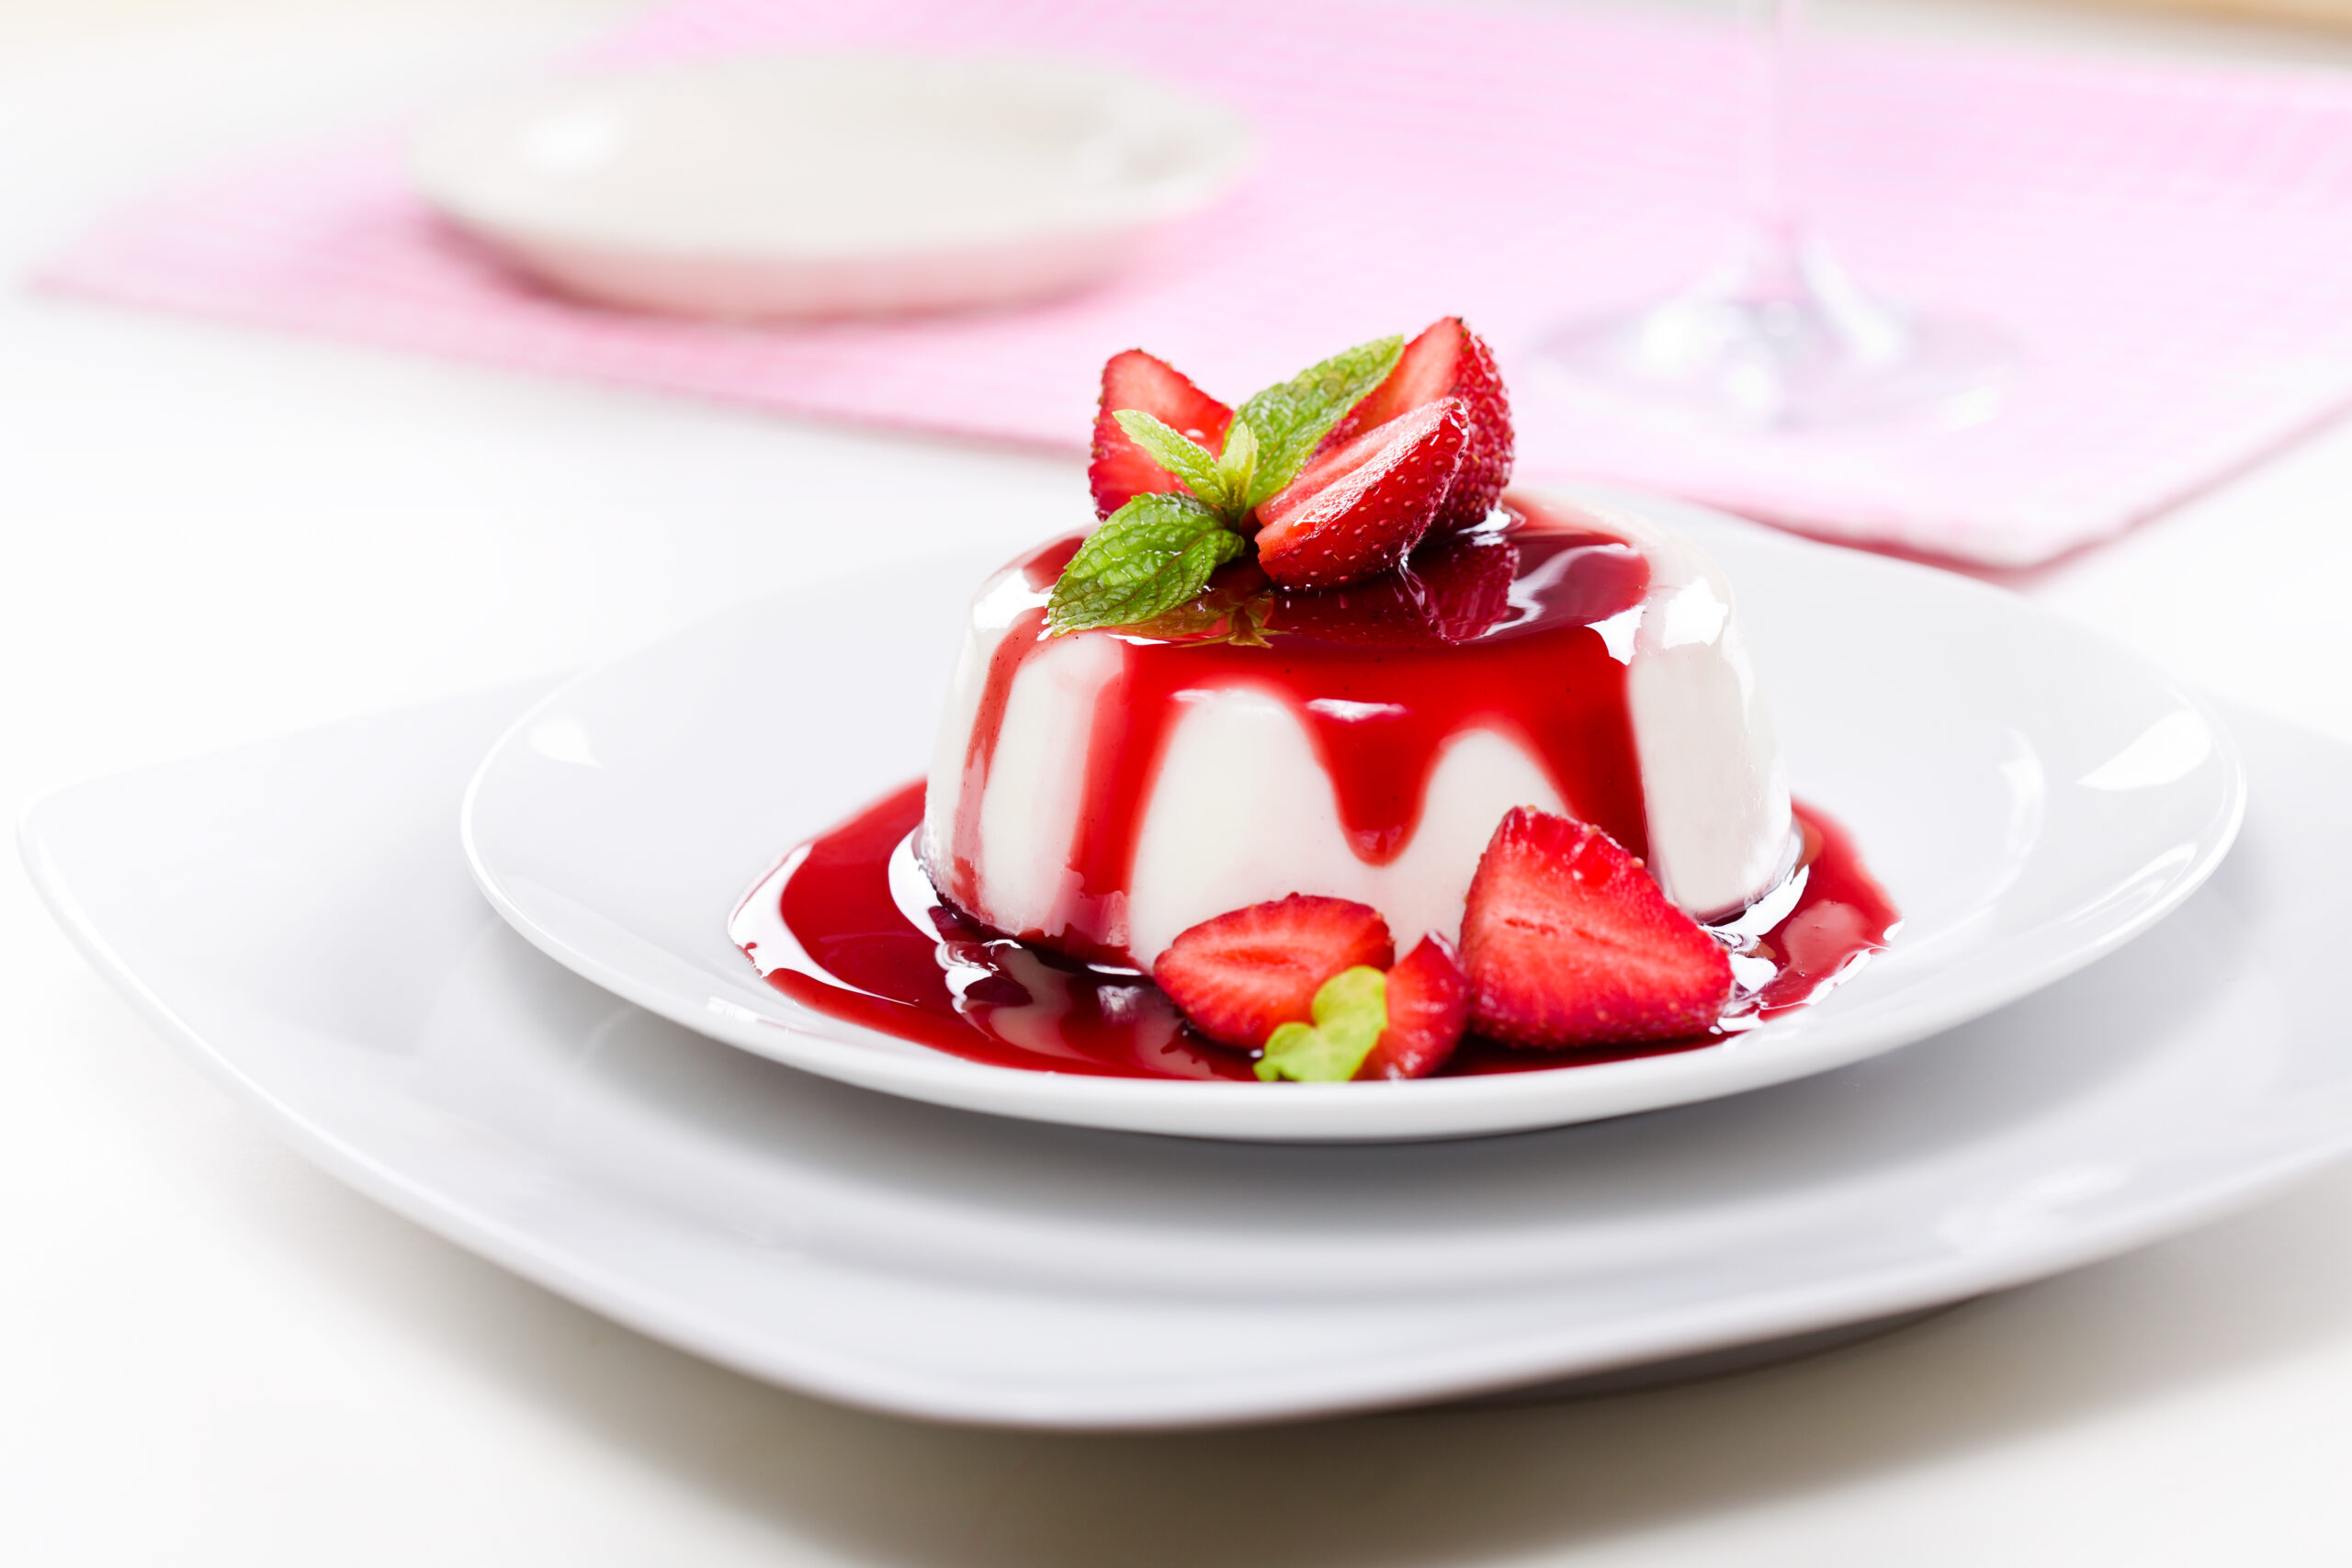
column 1428, row 1006
column 1238, row 975
column 1121, row 470
column 1448, row 360
column 1355, row 512
column 1569, row 941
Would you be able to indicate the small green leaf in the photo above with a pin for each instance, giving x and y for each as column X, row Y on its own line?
column 1155, row 553
column 1351, row 1010
column 1290, row 419
column 1246, row 628
column 1238, row 463
column 1179, row 455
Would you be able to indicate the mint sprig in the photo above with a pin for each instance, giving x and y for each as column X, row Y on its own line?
column 1351, row 1011
column 1155, row 553
column 1158, row 550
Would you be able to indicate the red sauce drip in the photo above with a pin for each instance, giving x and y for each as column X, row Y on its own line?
column 973, row 993
column 1040, row 570
column 1497, row 630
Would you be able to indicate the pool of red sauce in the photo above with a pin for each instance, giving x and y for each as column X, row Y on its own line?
column 974, row 993
column 1509, row 629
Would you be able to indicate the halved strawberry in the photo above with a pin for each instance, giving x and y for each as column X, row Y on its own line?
column 1569, row 941
column 1428, row 1007
column 1122, row 470
column 1240, row 974
column 1356, row 512
column 1448, row 360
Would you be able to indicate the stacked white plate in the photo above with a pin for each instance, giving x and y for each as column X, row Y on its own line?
column 2109, row 1030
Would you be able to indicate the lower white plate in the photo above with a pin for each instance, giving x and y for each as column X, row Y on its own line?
column 298, row 917
column 2030, row 794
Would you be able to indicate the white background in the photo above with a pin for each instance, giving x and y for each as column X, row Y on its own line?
column 210, row 1353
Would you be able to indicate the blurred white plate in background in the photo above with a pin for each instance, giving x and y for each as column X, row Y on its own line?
column 828, row 183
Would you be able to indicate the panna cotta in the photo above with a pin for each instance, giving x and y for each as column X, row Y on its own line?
column 1325, row 757
column 1099, row 792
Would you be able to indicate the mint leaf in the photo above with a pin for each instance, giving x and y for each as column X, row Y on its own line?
column 1290, row 419
column 1351, row 1010
column 1238, row 463
column 1246, row 628
column 1156, row 552
column 1179, row 455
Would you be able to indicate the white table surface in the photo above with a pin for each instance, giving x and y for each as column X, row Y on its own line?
column 211, row 1353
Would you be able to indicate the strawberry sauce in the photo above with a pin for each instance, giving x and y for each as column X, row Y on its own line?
column 847, row 925
column 1522, row 629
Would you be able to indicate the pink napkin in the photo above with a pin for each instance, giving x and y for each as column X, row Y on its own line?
column 2171, row 247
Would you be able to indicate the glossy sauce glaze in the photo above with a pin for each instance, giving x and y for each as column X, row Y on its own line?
column 1525, row 628
column 848, row 926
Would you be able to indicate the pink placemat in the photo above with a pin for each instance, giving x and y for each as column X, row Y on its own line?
column 2171, row 247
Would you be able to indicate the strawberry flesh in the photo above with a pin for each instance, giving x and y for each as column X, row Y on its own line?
column 1448, row 360
column 1357, row 512
column 1569, row 940
column 1238, row 975
column 1122, row 470
column 1428, row 1007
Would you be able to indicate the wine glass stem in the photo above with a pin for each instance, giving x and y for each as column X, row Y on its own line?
column 1775, row 217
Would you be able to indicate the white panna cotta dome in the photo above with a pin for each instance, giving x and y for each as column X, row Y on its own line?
column 1101, row 791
